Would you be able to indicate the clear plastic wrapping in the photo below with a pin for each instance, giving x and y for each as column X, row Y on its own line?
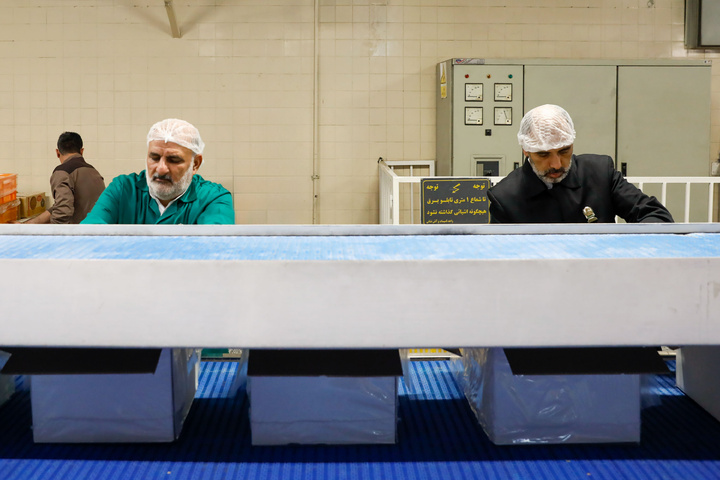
column 535, row 409
column 128, row 407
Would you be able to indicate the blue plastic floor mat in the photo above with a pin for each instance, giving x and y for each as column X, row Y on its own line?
column 439, row 438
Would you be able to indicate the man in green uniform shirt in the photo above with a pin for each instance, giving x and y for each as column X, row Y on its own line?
column 169, row 191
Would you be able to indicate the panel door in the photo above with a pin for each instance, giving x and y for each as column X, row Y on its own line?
column 587, row 92
column 664, row 128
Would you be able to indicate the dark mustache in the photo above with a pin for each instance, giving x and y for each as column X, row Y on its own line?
column 162, row 177
column 555, row 170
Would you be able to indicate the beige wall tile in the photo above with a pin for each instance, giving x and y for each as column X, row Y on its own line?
column 243, row 73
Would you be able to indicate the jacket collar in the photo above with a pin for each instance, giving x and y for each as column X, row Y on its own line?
column 74, row 157
column 532, row 185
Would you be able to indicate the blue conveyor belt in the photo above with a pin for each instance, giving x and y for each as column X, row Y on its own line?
column 398, row 247
column 438, row 439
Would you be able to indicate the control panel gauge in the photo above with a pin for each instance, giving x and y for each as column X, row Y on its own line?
column 503, row 115
column 503, row 92
column 473, row 92
column 473, row 116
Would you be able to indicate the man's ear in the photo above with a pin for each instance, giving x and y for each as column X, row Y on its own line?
column 197, row 161
column 57, row 152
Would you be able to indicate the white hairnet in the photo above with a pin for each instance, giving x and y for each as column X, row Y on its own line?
column 177, row 131
column 545, row 128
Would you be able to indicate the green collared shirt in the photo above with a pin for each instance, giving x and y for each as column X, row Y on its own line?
column 127, row 200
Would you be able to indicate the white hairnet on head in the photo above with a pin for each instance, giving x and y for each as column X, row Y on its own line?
column 545, row 128
column 177, row 131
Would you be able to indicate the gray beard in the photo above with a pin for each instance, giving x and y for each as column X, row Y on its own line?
column 549, row 182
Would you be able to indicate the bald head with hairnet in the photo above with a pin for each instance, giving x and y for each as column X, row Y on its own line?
column 180, row 132
column 174, row 156
column 545, row 128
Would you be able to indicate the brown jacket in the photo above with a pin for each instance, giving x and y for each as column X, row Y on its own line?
column 76, row 185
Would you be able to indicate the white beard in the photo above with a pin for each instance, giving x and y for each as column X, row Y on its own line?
column 169, row 192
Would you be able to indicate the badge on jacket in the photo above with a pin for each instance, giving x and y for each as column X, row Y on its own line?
column 589, row 215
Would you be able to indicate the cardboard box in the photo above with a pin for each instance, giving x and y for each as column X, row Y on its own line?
column 31, row 205
column 697, row 374
column 536, row 409
column 323, row 396
column 137, row 407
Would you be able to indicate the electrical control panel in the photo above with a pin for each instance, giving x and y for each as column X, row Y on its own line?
column 486, row 108
column 651, row 116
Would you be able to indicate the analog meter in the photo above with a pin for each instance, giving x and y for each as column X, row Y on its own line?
column 473, row 92
column 473, row 116
column 503, row 92
column 503, row 115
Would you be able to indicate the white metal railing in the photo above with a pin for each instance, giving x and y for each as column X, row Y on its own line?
column 390, row 183
column 687, row 182
column 413, row 171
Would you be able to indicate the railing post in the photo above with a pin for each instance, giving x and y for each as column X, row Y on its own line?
column 412, row 199
column 395, row 200
column 663, row 199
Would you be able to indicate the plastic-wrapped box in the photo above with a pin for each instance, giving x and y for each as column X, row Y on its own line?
column 7, row 382
column 7, row 387
column 698, row 373
column 535, row 409
column 128, row 407
column 310, row 406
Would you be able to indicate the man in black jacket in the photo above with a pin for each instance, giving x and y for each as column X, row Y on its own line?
column 555, row 186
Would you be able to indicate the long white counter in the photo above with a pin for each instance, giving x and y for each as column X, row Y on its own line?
column 360, row 286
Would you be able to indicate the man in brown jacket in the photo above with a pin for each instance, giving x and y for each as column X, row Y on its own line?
column 76, row 185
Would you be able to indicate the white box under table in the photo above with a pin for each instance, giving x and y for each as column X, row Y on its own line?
column 697, row 374
column 323, row 397
column 7, row 387
column 533, row 409
column 7, row 382
column 128, row 407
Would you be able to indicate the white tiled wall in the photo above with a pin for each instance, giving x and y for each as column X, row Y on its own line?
column 243, row 73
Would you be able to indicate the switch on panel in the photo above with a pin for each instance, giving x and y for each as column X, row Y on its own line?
column 488, row 165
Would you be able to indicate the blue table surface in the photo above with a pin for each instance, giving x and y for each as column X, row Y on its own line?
column 391, row 247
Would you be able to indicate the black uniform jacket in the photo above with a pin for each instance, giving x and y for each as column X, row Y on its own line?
column 593, row 182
